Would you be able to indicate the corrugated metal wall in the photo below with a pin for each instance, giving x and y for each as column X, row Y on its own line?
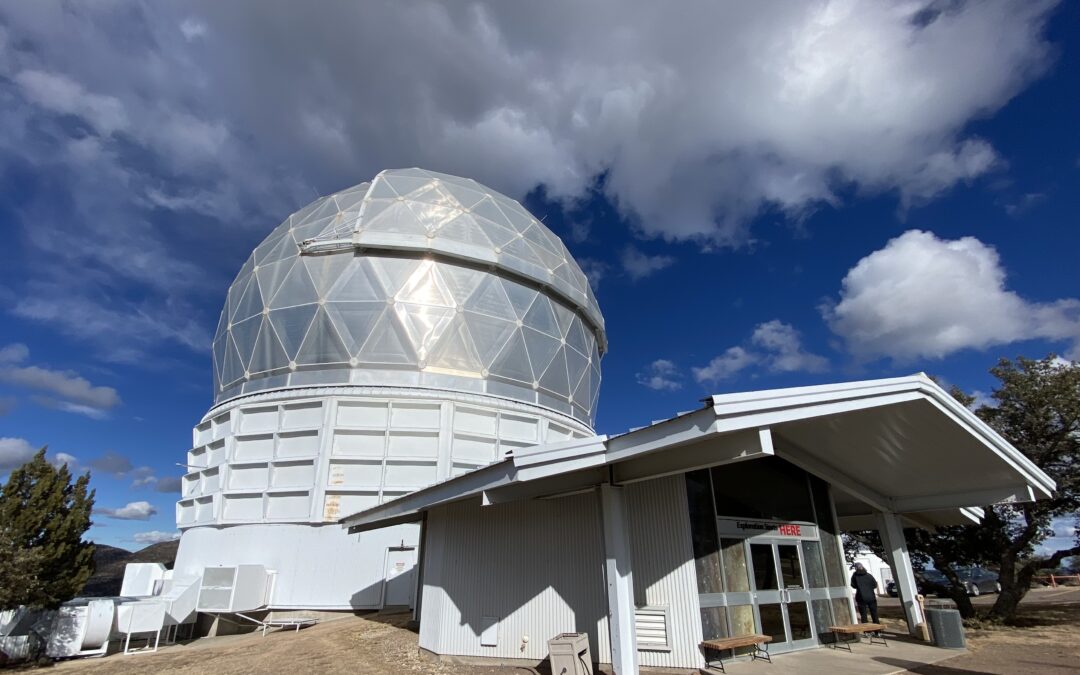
column 663, row 562
column 536, row 567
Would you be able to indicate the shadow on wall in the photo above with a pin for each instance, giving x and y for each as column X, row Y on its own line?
column 545, row 578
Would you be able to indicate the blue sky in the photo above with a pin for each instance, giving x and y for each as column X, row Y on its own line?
column 764, row 195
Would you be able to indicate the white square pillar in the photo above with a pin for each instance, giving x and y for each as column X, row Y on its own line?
column 620, row 582
column 892, row 537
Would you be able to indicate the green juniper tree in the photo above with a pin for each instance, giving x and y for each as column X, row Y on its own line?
column 1037, row 409
column 43, row 515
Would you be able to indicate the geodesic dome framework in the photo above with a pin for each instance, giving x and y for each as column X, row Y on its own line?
column 414, row 279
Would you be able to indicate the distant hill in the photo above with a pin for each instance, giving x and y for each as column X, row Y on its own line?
column 109, row 562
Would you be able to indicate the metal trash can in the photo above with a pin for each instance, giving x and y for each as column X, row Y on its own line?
column 570, row 655
column 946, row 628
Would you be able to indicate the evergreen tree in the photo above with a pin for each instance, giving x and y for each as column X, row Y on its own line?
column 43, row 516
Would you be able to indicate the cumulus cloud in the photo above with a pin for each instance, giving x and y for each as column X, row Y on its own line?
column 63, row 458
column 661, row 375
column 155, row 537
column 639, row 265
column 724, row 366
column 922, row 297
column 132, row 511
column 697, row 121
column 69, row 391
column 774, row 346
column 14, row 452
column 782, row 350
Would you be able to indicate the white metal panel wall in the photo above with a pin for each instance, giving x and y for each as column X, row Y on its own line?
column 536, row 567
column 318, row 567
column 662, row 556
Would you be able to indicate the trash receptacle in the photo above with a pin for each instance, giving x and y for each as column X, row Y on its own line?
column 946, row 628
column 570, row 655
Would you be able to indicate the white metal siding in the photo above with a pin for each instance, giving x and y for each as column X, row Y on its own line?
column 662, row 556
column 536, row 566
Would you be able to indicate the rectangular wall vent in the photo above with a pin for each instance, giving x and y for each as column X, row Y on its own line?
column 651, row 625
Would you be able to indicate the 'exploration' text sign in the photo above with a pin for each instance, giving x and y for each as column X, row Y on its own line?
column 745, row 527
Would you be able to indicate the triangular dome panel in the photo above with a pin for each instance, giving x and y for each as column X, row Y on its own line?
column 268, row 353
column 489, row 335
column 455, row 351
column 426, row 287
column 542, row 348
column 322, row 344
column 355, row 285
column 541, row 317
column 355, row 321
column 295, row 289
column 232, row 366
column 513, row 361
column 555, row 379
column 291, row 325
column 423, row 324
column 387, row 344
column 491, row 299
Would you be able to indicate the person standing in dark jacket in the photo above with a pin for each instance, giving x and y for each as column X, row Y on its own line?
column 865, row 586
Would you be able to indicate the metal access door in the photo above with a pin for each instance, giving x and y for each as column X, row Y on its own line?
column 398, row 582
column 780, row 594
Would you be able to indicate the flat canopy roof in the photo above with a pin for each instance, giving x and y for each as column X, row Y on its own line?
column 900, row 445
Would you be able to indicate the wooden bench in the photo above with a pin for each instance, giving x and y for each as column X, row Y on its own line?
column 760, row 643
column 857, row 629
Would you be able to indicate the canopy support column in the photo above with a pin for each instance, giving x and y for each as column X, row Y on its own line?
column 892, row 537
column 620, row 581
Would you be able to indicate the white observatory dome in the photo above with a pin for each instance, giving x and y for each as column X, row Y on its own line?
column 416, row 279
column 380, row 340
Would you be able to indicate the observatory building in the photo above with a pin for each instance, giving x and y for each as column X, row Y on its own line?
column 381, row 339
column 405, row 381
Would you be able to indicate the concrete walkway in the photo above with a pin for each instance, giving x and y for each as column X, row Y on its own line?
column 902, row 654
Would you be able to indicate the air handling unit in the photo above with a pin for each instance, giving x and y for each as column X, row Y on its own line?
column 381, row 339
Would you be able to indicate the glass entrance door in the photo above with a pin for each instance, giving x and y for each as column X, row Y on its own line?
column 780, row 594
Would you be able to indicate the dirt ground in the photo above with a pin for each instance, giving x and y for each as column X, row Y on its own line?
column 1048, row 641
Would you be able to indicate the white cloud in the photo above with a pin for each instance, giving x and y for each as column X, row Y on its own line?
column 921, row 297
column 661, row 375
column 188, row 123
column 192, row 29
column 14, row 452
column 132, row 511
column 143, row 476
column 59, row 93
column 155, row 537
column 630, row 90
column 724, row 366
column 774, row 345
column 982, row 399
column 76, row 394
column 71, row 461
column 14, row 353
column 781, row 346
column 640, row 265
